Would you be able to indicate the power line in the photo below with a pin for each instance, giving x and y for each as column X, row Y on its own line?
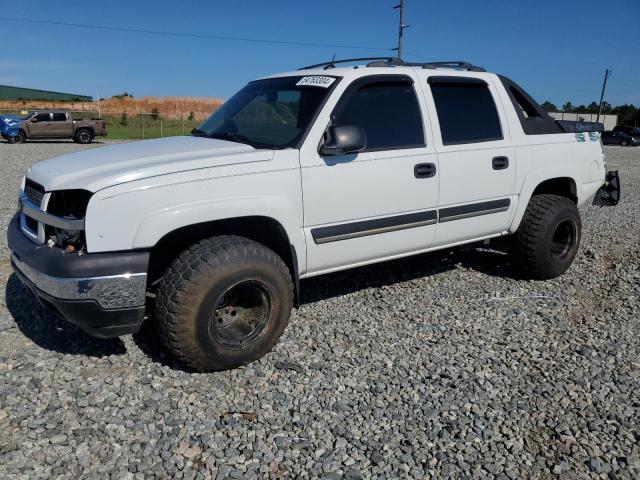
column 189, row 35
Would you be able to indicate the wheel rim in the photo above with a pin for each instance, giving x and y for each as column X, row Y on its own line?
column 84, row 136
column 564, row 237
column 241, row 314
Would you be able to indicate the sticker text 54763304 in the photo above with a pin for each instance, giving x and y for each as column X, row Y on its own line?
column 316, row 81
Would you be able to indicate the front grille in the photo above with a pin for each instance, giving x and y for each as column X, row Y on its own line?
column 34, row 192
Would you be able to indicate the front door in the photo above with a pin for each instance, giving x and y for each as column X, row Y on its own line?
column 381, row 202
column 39, row 125
column 476, row 159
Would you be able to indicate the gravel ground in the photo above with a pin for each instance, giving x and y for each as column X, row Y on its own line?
column 442, row 365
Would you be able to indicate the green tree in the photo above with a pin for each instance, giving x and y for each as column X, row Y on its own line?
column 549, row 107
column 124, row 119
column 592, row 107
column 627, row 114
column 155, row 113
column 568, row 107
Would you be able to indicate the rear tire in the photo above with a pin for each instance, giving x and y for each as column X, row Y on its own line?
column 223, row 303
column 548, row 237
column 84, row 136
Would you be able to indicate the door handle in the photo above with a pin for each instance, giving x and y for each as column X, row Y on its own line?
column 500, row 163
column 424, row 170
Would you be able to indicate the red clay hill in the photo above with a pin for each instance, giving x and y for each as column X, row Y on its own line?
column 168, row 107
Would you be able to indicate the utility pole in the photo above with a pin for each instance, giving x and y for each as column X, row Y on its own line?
column 401, row 27
column 607, row 72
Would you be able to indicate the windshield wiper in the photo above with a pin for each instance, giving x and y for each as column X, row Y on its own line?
column 234, row 137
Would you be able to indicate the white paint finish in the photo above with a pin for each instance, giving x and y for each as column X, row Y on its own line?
column 145, row 190
column 364, row 186
column 466, row 229
column 346, row 266
column 126, row 162
column 466, row 170
column 139, row 213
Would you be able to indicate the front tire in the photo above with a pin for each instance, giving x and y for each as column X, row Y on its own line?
column 21, row 137
column 548, row 237
column 623, row 143
column 223, row 303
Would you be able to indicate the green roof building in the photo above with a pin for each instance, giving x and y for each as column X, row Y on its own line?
column 18, row 93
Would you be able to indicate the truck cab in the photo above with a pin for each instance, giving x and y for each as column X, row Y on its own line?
column 58, row 124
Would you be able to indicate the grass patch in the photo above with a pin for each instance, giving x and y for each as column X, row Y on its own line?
column 147, row 127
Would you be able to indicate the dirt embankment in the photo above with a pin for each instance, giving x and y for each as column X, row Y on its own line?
column 168, row 107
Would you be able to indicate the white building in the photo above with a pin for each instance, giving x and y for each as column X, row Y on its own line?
column 609, row 121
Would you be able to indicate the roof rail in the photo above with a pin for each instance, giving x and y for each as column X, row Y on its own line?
column 332, row 63
column 457, row 64
column 393, row 62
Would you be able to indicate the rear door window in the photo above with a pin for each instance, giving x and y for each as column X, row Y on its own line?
column 59, row 117
column 466, row 110
column 43, row 117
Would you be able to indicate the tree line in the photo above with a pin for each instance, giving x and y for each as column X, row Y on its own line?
column 628, row 114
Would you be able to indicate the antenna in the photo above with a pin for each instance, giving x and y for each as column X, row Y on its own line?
column 401, row 27
column 607, row 73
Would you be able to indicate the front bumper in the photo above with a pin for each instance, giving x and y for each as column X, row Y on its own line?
column 102, row 293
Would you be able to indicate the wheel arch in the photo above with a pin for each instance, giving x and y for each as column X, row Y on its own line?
column 562, row 184
column 262, row 229
column 89, row 128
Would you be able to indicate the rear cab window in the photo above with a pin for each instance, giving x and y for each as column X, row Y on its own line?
column 466, row 110
column 59, row 117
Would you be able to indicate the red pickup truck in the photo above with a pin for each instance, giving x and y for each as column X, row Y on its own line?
column 59, row 124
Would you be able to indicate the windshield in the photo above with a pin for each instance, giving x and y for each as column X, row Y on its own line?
column 271, row 113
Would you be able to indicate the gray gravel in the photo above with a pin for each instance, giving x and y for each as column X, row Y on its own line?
column 442, row 365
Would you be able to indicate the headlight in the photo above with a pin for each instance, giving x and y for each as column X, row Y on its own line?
column 68, row 204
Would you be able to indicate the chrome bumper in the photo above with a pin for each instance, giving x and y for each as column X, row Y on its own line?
column 110, row 292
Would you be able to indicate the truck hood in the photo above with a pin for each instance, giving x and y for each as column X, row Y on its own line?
column 97, row 168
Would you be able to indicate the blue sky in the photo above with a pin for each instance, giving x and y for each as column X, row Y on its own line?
column 555, row 49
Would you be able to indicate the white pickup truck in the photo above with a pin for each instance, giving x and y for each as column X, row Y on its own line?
column 300, row 174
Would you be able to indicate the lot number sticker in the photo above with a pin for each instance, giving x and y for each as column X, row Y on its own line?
column 316, row 81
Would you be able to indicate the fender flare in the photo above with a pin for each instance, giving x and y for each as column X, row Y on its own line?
column 160, row 223
column 531, row 182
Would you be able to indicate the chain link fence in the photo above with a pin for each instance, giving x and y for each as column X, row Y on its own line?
column 133, row 126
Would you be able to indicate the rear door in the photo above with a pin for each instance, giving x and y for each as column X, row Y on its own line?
column 61, row 126
column 476, row 158
column 378, row 203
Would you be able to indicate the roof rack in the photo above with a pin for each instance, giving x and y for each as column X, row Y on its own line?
column 332, row 63
column 396, row 62
column 457, row 64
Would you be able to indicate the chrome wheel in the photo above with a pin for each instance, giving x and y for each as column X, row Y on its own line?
column 241, row 315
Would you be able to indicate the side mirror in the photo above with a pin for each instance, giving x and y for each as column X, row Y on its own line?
column 343, row 140
column 34, row 120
